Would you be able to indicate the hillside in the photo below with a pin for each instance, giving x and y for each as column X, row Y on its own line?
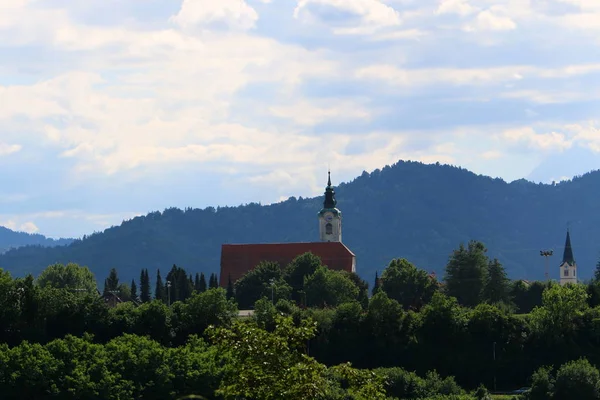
column 10, row 239
column 421, row 212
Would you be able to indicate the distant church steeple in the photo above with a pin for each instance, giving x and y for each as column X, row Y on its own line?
column 330, row 218
column 568, row 268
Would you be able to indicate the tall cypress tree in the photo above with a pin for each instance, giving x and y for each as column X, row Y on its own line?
column 111, row 284
column 197, row 283
column 213, row 281
column 144, row 286
column 376, row 285
column 496, row 288
column 202, row 283
column 134, row 295
column 159, row 292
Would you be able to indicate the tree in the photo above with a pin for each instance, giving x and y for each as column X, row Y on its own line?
column 133, row 291
column 270, row 365
column 405, row 283
column 159, row 292
column 466, row 273
column 202, row 283
column 71, row 277
column 213, row 282
column 577, row 380
column 263, row 281
column 181, row 288
column 542, row 384
column 597, row 272
column 294, row 273
column 145, row 286
column 497, row 283
column 209, row 308
column 376, row 284
column 561, row 306
column 329, row 288
column 230, row 291
column 111, row 284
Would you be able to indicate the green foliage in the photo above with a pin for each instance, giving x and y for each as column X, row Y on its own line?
column 497, row 283
column 295, row 272
column 329, row 288
column 181, row 287
column 466, row 273
column 482, row 393
column 269, row 365
column 263, row 281
column 527, row 296
column 359, row 384
column 70, row 276
column 160, row 291
column 405, row 283
column 577, row 380
column 145, row 286
column 561, row 304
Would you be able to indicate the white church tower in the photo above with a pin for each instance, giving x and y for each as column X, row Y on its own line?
column 568, row 268
column 330, row 218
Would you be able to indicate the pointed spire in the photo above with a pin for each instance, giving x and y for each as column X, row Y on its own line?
column 568, row 255
column 330, row 201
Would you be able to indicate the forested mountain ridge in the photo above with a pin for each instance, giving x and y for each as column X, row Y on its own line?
column 410, row 210
column 10, row 239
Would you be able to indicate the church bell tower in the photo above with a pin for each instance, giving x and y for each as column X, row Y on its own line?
column 330, row 218
column 568, row 267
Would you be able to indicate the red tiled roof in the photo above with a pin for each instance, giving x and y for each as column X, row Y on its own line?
column 238, row 259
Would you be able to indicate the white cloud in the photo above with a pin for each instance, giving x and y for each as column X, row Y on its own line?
column 487, row 20
column 113, row 99
column 552, row 141
column 29, row 227
column 373, row 14
column 234, row 13
column 311, row 113
column 433, row 76
column 460, row 7
column 6, row 149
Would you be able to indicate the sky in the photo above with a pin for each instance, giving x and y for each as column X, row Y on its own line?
column 115, row 108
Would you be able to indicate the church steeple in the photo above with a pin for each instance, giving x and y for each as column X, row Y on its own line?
column 568, row 254
column 330, row 218
column 568, row 268
column 330, row 201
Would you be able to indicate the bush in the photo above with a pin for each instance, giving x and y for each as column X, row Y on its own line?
column 577, row 380
column 542, row 384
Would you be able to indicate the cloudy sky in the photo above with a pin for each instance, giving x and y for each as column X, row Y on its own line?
column 113, row 108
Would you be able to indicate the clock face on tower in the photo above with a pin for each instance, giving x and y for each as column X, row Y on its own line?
column 328, row 217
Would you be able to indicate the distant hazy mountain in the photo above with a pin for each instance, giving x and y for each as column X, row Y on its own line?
column 420, row 212
column 570, row 163
column 10, row 239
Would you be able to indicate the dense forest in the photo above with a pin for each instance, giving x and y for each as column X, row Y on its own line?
column 314, row 333
column 411, row 210
column 10, row 240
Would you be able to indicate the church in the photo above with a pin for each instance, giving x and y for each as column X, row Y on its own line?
column 238, row 259
column 568, row 267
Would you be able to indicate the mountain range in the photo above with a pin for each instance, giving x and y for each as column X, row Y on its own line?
column 10, row 239
column 409, row 209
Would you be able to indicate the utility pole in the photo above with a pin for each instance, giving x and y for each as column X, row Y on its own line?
column 494, row 355
column 168, row 293
column 272, row 282
column 546, row 254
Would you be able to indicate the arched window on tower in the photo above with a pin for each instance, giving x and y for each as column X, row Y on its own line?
column 566, row 272
column 328, row 229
